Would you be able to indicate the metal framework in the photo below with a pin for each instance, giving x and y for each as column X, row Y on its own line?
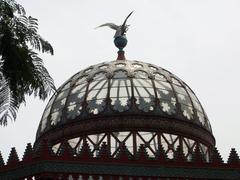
column 123, row 120
column 126, row 87
column 128, row 97
column 133, row 141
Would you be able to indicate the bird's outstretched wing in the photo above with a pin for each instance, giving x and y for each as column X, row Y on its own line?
column 124, row 26
column 125, row 21
column 111, row 25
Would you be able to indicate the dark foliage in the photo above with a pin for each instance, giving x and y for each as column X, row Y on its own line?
column 22, row 72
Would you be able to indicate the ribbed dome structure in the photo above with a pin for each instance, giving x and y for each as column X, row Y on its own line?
column 122, row 120
column 121, row 96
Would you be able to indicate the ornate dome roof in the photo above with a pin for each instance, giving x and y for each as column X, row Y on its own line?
column 123, row 88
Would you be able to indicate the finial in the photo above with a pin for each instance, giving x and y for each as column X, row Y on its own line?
column 120, row 39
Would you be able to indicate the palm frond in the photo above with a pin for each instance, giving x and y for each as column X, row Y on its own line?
column 44, row 82
column 27, row 27
column 22, row 72
column 15, row 6
column 8, row 106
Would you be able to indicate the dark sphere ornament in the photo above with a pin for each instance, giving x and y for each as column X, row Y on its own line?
column 120, row 42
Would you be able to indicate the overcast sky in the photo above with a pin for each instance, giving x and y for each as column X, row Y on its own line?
column 197, row 40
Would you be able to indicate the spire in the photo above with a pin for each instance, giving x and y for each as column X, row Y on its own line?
column 44, row 151
column 66, row 151
column 142, row 153
column 13, row 157
column 179, row 155
column 104, row 152
column 233, row 157
column 216, row 157
column 123, row 153
column 85, row 152
column 197, row 156
column 161, row 154
column 28, row 152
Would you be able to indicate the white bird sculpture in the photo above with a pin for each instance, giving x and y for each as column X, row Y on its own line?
column 120, row 29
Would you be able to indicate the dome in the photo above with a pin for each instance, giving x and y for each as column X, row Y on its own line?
column 120, row 96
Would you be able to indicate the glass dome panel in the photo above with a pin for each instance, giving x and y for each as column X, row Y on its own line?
column 185, row 101
column 175, row 81
column 88, row 70
column 97, row 93
column 137, row 65
column 120, row 65
column 166, row 96
column 76, row 98
column 152, row 68
column 59, row 104
column 143, row 91
column 159, row 77
column 81, row 80
column 47, row 113
column 105, row 66
column 120, row 91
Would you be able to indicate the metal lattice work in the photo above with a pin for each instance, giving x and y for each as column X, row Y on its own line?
column 133, row 140
column 119, row 88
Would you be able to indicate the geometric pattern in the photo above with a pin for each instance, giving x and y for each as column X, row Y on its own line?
column 133, row 140
column 122, row 87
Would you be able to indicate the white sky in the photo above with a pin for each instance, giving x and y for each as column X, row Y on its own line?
column 197, row 40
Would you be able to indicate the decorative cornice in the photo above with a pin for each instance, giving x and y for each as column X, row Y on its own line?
column 121, row 123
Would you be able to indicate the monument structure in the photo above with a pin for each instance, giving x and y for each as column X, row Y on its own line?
column 123, row 119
